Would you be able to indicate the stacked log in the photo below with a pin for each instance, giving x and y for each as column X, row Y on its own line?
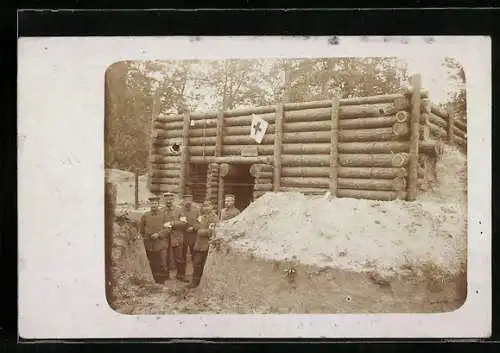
column 371, row 158
column 212, row 183
column 444, row 125
column 371, row 100
column 165, row 173
column 441, row 126
column 320, row 148
column 457, row 131
column 263, row 174
column 371, row 151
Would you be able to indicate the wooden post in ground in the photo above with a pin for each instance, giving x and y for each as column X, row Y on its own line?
column 334, row 147
column 278, row 142
column 184, row 154
column 218, row 153
column 136, row 189
column 220, row 194
column 414, row 138
column 220, row 131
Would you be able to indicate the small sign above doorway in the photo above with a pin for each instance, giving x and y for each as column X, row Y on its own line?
column 249, row 151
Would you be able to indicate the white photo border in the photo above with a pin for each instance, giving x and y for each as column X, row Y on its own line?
column 61, row 190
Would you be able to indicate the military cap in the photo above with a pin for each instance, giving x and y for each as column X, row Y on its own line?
column 168, row 194
column 153, row 198
column 230, row 196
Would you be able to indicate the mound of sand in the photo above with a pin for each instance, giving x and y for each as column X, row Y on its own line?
column 361, row 235
column 128, row 254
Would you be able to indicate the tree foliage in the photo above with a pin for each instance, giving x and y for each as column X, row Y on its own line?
column 458, row 99
column 136, row 91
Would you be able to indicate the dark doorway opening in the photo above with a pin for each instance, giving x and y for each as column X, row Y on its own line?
column 240, row 183
column 197, row 182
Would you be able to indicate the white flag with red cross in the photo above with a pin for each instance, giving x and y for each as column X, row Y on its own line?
column 258, row 128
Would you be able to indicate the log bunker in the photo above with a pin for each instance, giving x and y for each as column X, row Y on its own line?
column 379, row 147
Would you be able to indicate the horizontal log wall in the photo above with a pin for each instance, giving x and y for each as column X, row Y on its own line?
column 442, row 125
column 264, row 179
column 372, row 145
column 445, row 125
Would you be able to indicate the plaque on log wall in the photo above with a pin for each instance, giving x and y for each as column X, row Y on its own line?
column 249, row 151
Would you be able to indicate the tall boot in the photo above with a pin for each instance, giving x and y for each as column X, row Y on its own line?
column 195, row 282
column 165, row 271
column 180, row 264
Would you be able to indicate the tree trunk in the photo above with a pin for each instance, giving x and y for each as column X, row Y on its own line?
column 136, row 190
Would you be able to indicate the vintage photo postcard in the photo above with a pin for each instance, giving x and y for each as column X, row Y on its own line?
column 255, row 187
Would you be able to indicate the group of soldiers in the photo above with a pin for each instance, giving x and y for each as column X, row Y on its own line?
column 176, row 230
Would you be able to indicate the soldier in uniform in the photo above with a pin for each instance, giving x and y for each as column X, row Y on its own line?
column 205, row 228
column 155, row 241
column 229, row 210
column 191, row 213
column 174, row 225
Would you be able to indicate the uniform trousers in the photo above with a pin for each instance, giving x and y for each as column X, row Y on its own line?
column 158, row 261
column 199, row 260
column 180, row 263
column 189, row 241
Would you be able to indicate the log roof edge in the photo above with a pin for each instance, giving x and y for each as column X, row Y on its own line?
column 288, row 107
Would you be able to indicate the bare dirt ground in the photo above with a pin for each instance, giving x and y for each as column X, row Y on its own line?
column 349, row 256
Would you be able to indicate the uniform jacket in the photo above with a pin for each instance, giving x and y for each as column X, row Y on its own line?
column 205, row 230
column 228, row 213
column 152, row 223
column 173, row 215
column 191, row 217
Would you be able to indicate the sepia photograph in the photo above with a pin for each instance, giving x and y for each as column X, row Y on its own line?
column 286, row 186
column 254, row 187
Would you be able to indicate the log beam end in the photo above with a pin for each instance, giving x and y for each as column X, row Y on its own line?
column 402, row 116
column 400, row 159
column 400, row 130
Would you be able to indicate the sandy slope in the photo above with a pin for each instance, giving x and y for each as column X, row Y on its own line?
column 341, row 246
column 361, row 235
